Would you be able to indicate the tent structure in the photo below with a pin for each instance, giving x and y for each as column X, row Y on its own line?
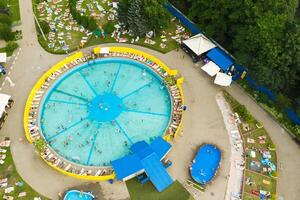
column 2, row 57
column 210, row 68
column 197, row 45
column 145, row 158
column 220, row 58
column 223, row 79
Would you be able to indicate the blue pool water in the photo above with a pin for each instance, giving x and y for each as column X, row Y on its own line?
column 77, row 195
column 93, row 113
column 206, row 163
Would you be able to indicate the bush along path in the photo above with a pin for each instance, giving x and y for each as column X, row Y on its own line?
column 260, row 176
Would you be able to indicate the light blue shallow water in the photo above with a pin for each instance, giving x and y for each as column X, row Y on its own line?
column 77, row 195
column 93, row 114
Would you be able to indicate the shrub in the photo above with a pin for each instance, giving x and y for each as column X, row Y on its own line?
column 39, row 145
column 2, row 5
column 170, row 80
column 10, row 47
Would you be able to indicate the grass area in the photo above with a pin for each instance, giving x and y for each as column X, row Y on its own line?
column 147, row 191
column 8, row 170
column 14, row 8
column 260, row 183
column 61, row 16
column 250, row 197
column 255, row 140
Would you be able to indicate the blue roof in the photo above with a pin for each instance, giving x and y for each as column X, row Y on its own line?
column 145, row 157
column 161, row 147
column 220, row 58
column 156, row 172
column 127, row 166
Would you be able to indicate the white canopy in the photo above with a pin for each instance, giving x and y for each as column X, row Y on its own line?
column 3, row 102
column 223, row 79
column 199, row 44
column 104, row 50
column 2, row 57
column 210, row 68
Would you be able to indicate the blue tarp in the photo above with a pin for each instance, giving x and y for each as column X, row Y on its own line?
column 146, row 158
column 183, row 19
column 220, row 58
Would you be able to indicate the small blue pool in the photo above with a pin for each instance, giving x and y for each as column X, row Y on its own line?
column 206, row 163
column 77, row 195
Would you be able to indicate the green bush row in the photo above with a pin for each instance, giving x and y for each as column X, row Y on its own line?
column 275, row 109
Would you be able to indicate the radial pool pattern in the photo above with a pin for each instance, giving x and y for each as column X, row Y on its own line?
column 94, row 112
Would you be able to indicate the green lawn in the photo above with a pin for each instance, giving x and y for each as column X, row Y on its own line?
column 260, row 183
column 250, row 197
column 8, row 170
column 147, row 191
column 73, row 44
column 14, row 8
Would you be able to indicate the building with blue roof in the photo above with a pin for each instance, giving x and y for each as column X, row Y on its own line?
column 146, row 159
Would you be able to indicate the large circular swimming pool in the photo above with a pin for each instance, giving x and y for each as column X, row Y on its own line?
column 94, row 113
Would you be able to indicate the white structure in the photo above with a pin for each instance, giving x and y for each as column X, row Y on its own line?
column 104, row 50
column 3, row 57
column 223, row 79
column 4, row 100
column 210, row 68
column 199, row 44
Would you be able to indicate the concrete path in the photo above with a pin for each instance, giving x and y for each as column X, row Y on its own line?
column 203, row 122
column 236, row 173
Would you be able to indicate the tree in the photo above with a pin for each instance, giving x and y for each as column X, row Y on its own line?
column 142, row 16
column 5, row 32
column 44, row 26
column 257, row 34
column 108, row 27
column 5, row 19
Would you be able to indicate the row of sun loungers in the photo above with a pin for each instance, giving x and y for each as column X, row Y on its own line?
column 140, row 58
column 58, row 162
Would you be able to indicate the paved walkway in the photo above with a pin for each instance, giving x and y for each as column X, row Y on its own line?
column 203, row 122
column 236, row 174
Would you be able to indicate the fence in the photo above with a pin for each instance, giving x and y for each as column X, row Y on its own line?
column 292, row 115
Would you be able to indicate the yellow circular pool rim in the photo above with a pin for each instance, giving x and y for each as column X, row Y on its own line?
column 79, row 55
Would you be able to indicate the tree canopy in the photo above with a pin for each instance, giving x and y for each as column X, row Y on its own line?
column 142, row 16
column 264, row 36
